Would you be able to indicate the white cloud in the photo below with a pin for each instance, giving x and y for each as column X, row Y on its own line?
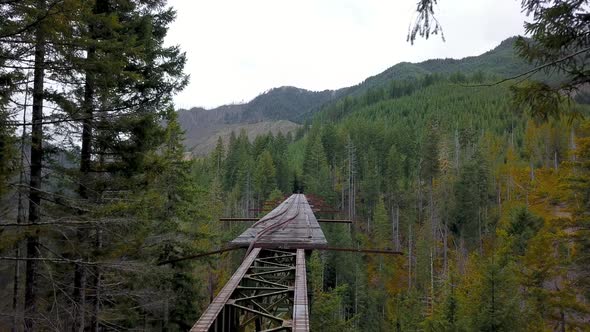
column 237, row 49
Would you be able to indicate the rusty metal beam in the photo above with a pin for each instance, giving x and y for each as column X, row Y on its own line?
column 364, row 251
column 339, row 221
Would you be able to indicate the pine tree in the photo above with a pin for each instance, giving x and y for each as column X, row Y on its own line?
column 218, row 157
column 105, row 62
column 471, row 192
column 489, row 299
column 381, row 233
column 36, row 157
column 264, row 176
column 315, row 167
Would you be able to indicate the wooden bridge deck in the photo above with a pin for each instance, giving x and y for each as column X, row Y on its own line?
column 268, row 292
column 291, row 225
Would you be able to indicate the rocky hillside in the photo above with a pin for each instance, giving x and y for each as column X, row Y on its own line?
column 276, row 109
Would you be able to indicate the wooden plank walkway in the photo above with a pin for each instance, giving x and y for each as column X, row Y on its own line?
column 300, row 310
column 302, row 232
column 221, row 299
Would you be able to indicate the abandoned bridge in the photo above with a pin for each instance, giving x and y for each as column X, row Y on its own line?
column 268, row 291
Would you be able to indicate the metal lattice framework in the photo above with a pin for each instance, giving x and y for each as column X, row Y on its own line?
column 268, row 292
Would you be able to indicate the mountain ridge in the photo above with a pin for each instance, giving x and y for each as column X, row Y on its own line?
column 296, row 105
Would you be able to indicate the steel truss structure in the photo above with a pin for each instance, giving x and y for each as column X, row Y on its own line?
column 268, row 292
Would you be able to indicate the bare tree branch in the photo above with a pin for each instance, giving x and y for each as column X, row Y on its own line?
column 65, row 223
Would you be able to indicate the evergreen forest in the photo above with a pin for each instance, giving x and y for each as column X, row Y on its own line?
column 481, row 183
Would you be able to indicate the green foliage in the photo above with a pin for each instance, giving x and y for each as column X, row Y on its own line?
column 522, row 227
column 430, row 164
column 408, row 312
column 489, row 300
column 315, row 166
column 541, row 101
column 578, row 182
column 316, row 273
column 381, row 232
column 446, row 315
column 471, row 195
column 326, row 313
column 264, row 175
column 559, row 44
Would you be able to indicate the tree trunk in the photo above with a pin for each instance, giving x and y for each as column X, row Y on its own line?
column 431, row 213
column 431, row 281
column 87, row 123
column 479, row 230
column 392, row 226
column 210, row 287
column 20, row 218
column 457, row 150
column 94, row 323
column 500, row 197
column 562, row 320
column 573, row 144
column 445, row 249
column 166, row 319
column 36, row 157
column 79, row 294
column 410, row 257
column 79, row 297
column 16, row 281
column 397, row 240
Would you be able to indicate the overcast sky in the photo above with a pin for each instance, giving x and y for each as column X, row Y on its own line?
column 239, row 49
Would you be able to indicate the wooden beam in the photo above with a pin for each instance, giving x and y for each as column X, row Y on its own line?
column 300, row 307
column 341, row 221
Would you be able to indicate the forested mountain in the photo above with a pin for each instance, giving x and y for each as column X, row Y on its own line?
column 298, row 105
column 501, row 61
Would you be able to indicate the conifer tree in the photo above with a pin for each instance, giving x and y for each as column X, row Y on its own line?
column 264, row 176
column 489, row 299
column 381, row 233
